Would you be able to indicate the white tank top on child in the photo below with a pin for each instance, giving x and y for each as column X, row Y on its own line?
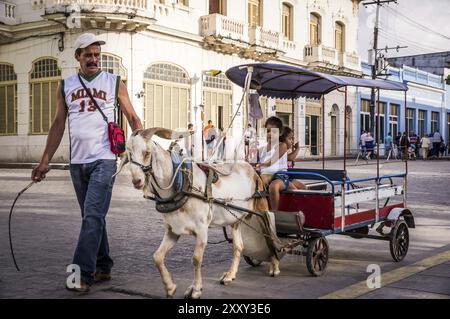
column 279, row 165
column 87, row 129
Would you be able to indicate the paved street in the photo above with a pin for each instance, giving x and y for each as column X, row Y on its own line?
column 46, row 224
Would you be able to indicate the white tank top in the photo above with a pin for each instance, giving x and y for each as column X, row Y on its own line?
column 278, row 165
column 88, row 130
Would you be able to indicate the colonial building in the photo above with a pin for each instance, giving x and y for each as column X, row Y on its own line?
column 163, row 50
column 427, row 109
column 436, row 63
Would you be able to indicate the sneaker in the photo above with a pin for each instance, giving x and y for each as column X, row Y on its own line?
column 83, row 288
column 102, row 276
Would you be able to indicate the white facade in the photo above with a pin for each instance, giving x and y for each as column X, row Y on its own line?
column 143, row 33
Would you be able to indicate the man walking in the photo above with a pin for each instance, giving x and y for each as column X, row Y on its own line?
column 388, row 145
column 404, row 144
column 362, row 143
column 437, row 139
column 92, row 163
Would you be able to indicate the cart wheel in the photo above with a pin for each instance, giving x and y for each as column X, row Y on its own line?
column 252, row 261
column 317, row 256
column 399, row 241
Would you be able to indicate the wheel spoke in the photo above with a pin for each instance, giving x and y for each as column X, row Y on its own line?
column 400, row 241
column 320, row 264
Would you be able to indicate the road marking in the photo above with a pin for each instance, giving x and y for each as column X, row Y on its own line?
column 390, row 277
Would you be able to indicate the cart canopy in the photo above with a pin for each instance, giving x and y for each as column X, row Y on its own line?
column 290, row 82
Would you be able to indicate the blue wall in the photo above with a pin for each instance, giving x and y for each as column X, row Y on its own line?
column 410, row 75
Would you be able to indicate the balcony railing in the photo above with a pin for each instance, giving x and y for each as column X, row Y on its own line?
column 119, row 4
column 288, row 45
column 229, row 36
column 320, row 53
column 264, row 38
column 7, row 12
column 350, row 61
column 218, row 25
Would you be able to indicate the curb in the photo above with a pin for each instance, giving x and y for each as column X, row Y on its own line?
column 63, row 166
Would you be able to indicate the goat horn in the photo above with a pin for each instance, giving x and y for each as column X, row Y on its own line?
column 123, row 162
column 165, row 133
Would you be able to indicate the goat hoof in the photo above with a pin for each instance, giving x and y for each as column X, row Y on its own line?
column 226, row 278
column 274, row 273
column 192, row 293
column 171, row 291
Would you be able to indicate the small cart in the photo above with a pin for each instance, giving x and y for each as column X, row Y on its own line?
column 333, row 203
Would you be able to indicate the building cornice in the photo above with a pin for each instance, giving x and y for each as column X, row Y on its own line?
column 174, row 33
column 426, row 87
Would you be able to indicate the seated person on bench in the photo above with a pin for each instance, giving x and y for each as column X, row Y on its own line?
column 275, row 160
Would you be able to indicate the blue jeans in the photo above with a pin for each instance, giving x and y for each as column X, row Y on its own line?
column 93, row 185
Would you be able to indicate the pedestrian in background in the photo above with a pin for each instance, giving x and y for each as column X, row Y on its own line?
column 437, row 139
column 425, row 145
column 388, row 144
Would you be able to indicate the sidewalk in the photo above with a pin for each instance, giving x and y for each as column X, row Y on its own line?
column 31, row 165
column 12, row 165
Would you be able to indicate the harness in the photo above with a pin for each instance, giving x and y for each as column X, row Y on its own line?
column 181, row 183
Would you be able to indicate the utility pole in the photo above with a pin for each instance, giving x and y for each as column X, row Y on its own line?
column 378, row 3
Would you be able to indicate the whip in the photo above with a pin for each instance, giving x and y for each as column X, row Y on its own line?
column 9, row 222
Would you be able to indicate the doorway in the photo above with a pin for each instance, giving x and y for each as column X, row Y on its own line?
column 312, row 133
column 333, row 135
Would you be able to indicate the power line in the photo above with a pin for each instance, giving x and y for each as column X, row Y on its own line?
column 396, row 37
column 412, row 44
column 416, row 24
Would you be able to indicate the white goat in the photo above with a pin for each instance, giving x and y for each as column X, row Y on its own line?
column 196, row 215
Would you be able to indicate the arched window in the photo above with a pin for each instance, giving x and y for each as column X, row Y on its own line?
column 315, row 29
column 217, row 82
column 287, row 21
column 339, row 36
column 44, row 78
column 113, row 64
column 217, row 100
column 8, row 100
column 167, row 96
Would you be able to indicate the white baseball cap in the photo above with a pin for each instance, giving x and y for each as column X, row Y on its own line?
column 86, row 39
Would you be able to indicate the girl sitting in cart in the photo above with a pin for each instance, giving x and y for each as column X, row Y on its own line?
column 274, row 158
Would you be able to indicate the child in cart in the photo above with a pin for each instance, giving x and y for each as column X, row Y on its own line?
column 274, row 158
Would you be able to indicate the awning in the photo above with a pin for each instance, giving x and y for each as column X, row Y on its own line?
column 287, row 82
